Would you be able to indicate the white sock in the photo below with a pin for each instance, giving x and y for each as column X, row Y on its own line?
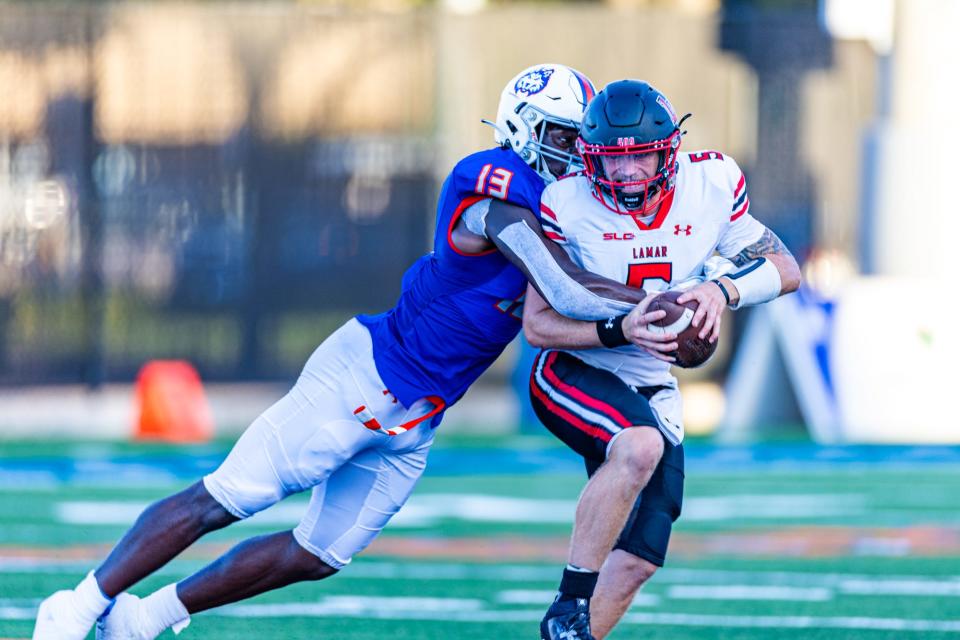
column 164, row 610
column 90, row 601
column 573, row 567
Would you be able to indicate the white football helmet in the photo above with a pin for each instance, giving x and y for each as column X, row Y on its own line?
column 538, row 95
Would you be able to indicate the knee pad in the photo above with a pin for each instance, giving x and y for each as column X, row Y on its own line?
column 649, row 536
column 647, row 533
column 667, row 502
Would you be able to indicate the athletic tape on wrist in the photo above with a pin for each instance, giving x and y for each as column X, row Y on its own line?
column 757, row 282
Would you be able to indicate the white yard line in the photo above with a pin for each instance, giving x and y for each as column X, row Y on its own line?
column 371, row 608
column 541, row 596
column 41, row 565
column 428, row 509
column 18, row 613
column 793, row 622
column 474, row 610
column 843, row 583
column 884, row 587
column 793, row 578
column 750, row 592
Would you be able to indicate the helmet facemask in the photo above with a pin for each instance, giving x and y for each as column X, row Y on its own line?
column 626, row 194
column 528, row 133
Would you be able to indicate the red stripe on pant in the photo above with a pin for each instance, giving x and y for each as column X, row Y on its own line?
column 560, row 412
column 597, row 405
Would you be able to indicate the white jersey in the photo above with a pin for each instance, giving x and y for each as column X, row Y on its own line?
column 708, row 213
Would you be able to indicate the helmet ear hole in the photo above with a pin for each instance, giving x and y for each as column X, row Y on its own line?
column 512, row 127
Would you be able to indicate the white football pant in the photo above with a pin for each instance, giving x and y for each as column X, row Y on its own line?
column 315, row 438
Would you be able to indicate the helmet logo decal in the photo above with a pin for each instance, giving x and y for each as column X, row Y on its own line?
column 663, row 102
column 533, row 82
column 625, row 142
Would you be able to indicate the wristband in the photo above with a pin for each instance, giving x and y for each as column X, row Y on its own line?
column 610, row 332
column 757, row 282
column 723, row 290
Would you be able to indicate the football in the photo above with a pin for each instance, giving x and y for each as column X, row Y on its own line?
column 691, row 350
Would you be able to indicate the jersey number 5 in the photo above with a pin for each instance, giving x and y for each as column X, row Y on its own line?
column 638, row 274
column 494, row 182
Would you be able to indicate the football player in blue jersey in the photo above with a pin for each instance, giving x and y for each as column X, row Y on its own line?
column 357, row 425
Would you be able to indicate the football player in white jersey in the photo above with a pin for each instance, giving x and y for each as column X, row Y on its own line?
column 642, row 213
column 357, row 441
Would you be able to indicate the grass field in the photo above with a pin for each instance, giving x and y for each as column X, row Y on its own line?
column 776, row 542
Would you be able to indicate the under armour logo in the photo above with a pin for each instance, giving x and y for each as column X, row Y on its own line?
column 677, row 229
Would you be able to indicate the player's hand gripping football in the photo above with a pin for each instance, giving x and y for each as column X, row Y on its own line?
column 710, row 310
column 635, row 329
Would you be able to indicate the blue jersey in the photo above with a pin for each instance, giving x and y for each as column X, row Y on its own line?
column 456, row 312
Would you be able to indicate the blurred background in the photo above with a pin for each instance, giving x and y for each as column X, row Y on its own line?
column 193, row 195
column 226, row 183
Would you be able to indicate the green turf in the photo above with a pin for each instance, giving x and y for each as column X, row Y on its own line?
column 907, row 520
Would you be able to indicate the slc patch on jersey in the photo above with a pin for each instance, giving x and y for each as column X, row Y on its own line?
column 533, row 82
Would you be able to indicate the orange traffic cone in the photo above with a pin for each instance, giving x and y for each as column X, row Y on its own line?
column 171, row 403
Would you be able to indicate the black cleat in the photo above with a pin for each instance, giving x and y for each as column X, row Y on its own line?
column 567, row 620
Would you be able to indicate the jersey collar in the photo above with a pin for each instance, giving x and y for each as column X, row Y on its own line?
column 665, row 207
column 661, row 214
